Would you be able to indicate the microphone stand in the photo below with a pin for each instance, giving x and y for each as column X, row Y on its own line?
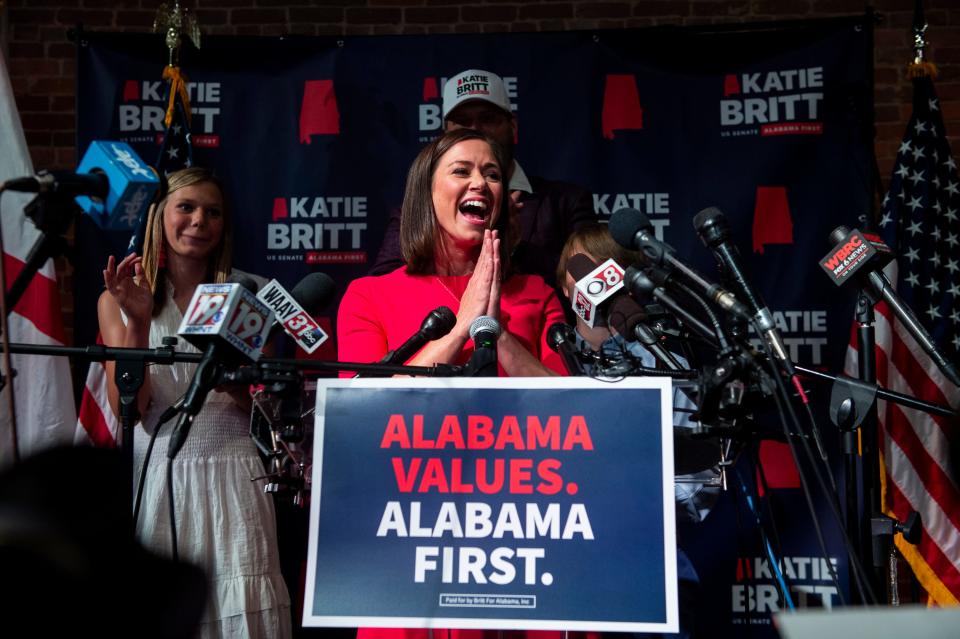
column 52, row 213
column 648, row 338
column 855, row 418
column 853, row 407
column 130, row 372
column 877, row 532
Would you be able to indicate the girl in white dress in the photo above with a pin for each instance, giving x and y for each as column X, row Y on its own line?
column 225, row 523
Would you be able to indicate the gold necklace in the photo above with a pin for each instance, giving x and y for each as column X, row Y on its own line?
column 446, row 288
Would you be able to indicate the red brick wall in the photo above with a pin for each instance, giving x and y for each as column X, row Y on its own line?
column 42, row 67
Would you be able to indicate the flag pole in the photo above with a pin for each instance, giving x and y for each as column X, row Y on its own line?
column 6, row 375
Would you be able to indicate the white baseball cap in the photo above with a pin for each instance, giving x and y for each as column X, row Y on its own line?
column 474, row 84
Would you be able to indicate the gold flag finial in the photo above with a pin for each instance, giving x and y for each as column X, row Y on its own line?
column 920, row 67
column 175, row 22
column 919, row 43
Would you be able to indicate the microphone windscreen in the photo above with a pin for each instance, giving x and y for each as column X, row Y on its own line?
column 314, row 292
column 839, row 234
column 243, row 280
column 438, row 323
column 711, row 225
column 484, row 324
column 637, row 281
column 558, row 333
column 579, row 266
column 625, row 224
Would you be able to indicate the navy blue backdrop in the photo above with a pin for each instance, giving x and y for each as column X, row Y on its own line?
column 313, row 136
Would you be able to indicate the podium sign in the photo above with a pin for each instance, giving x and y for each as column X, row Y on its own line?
column 503, row 503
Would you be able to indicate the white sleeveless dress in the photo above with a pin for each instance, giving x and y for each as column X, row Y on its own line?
column 225, row 522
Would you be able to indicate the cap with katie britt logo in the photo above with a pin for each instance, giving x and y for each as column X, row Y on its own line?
column 474, row 84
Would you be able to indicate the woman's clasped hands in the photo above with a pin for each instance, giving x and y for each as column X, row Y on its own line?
column 482, row 295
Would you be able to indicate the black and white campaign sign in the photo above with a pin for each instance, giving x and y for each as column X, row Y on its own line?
column 507, row 503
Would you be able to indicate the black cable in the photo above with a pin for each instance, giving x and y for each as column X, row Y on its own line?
column 768, row 502
column 831, row 494
column 166, row 416
column 764, row 488
column 781, row 398
column 685, row 340
column 782, row 393
column 173, row 514
column 722, row 338
column 143, row 476
column 804, row 483
column 610, row 370
column 826, row 462
column 744, row 552
column 776, row 561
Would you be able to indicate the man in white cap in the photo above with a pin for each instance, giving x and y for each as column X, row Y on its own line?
column 546, row 211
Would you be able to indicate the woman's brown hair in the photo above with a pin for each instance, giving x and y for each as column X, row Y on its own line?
column 419, row 231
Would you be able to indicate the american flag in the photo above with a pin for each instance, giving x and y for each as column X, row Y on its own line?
column 921, row 223
column 176, row 151
column 176, row 146
column 96, row 422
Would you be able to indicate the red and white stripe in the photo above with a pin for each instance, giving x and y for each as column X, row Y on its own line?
column 96, row 422
column 916, row 452
column 45, row 414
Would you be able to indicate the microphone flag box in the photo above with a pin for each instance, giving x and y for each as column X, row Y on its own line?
column 228, row 312
column 852, row 253
column 594, row 289
column 132, row 185
column 299, row 324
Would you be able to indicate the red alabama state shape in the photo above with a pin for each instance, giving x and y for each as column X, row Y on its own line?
column 731, row 86
column 131, row 90
column 279, row 209
column 318, row 113
column 430, row 91
column 621, row 105
column 772, row 223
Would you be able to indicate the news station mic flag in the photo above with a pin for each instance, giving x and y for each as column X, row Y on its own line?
column 920, row 223
column 44, row 404
column 96, row 422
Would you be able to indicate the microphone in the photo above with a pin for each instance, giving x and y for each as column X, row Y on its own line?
column 230, row 325
column 435, row 325
column 712, row 227
column 484, row 331
column 632, row 229
column 594, row 287
column 862, row 256
column 112, row 185
column 855, row 252
column 640, row 285
column 629, row 320
column 561, row 339
column 244, row 280
column 294, row 310
column 62, row 183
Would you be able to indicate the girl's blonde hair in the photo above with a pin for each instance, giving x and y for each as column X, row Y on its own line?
column 154, row 242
